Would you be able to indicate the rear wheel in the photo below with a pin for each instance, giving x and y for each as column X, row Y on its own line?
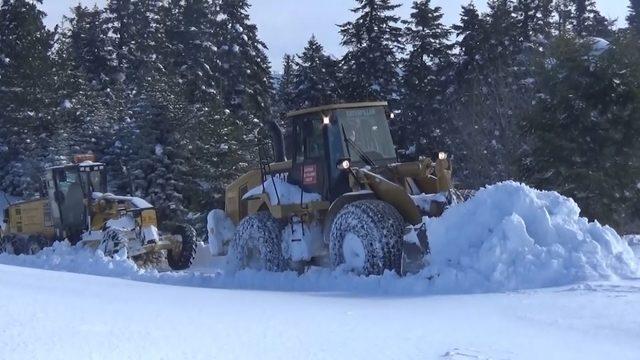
column 366, row 238
column 35, row 244
column 182, row 256
column 257, row 244
column 22, row 245
column 6, row 244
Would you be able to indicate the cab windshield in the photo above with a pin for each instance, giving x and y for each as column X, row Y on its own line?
column 67, row 178
column 95, row 180
column 367, row 129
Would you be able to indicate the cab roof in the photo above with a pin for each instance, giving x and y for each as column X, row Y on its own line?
column 82, row 164
column 336, row 107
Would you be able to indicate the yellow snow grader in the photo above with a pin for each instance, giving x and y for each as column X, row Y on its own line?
column 78, row 208
column 341, row 199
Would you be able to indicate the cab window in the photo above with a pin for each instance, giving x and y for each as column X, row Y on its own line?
column 67, row 178
column 309, row 142
column 96, row 180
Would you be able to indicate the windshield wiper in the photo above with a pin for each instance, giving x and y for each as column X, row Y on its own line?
column 363, row 156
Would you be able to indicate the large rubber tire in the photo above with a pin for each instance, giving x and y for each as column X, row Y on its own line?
column 6, row 244
column 35, row 244
column 22, row 245
column 113, row 241
column 257, row 244
column 183, row 258
column 366, row 237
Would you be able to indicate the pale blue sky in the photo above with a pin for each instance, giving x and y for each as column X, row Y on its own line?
column 286, row 25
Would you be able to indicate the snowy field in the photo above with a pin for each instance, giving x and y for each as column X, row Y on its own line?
column 57, row 315
column 515, row 274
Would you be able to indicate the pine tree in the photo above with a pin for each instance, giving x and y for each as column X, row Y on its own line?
column 424, row 124
column 82, row 110
column 471, row 33
column 146, row 95
column 24, row 61
column 315, row 77
column 135, row 35
column 565, row 16
column 533, row 20
column 589, row 22
column 157, row 163
column 493, row 87
column 246, row 74
column 502, row 32
column 148, row 37
column 370, row 66
column 192, row 39
column 585, row 128
column 173, row 17
column 217, row 155
column 25, row 90
column 286, row 85
column 89, row 43
column 119, row 24
column 634, row 15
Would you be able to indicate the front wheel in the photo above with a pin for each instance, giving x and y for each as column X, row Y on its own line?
column 182, row 256
column 366, row 238
column 113, row 242
column 257, row 244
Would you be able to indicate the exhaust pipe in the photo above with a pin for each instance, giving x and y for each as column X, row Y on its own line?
column 277, row 141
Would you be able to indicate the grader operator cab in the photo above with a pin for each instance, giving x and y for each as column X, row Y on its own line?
column 341, row 200
column 78, row 208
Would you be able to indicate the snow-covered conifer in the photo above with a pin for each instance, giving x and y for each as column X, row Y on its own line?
column 374, row 42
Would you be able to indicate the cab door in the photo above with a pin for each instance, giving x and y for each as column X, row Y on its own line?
column 66, row 196
column 309, row 170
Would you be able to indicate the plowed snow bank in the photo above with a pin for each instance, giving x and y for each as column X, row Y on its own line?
column 510, row 236
column 507, row 237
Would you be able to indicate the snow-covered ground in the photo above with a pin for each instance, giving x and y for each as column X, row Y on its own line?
column 515, row 274
column 58, row 315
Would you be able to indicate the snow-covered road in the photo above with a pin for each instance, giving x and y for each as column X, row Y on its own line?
column 55, row 315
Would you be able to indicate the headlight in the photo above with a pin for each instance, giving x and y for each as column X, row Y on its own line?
column 442, row 156
column 344, row 164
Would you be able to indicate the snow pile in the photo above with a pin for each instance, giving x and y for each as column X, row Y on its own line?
column 220, row 231
column 510, row 236
column 288, row 193
column 634, row 242
column 64, row 257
